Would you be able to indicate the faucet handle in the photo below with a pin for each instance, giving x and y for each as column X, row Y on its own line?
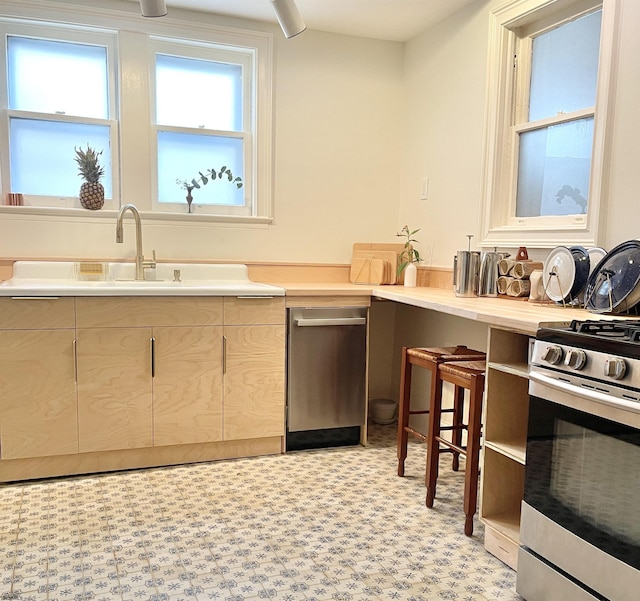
column 150, row 264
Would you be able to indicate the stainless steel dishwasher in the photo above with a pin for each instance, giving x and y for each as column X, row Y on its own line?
column 326, row 376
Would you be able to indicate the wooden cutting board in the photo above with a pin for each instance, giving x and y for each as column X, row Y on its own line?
column 367, row 270
column 388, row 256
column 387, row 251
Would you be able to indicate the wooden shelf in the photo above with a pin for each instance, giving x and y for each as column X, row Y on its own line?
column 517, row 369
column 503, row 488
column 506, row 412
column 507, row 525
column 511, row 449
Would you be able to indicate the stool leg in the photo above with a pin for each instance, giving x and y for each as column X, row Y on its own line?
column 403, row 410
column 433, row 447
column 473, row 453
column 456, row 433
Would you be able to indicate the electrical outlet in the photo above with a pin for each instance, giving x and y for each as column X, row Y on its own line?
column 424, row 188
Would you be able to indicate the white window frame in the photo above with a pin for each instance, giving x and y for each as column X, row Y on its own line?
column 246, row 59
column 136, row 160
column 511, row 26
column 60, row 33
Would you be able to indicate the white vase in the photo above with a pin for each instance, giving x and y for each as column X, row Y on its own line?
column 410, row 275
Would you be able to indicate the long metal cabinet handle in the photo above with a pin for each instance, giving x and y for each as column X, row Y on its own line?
column 153, row 356
column 35, row 297
column 224, row 354
column 75, row 359
column 329, row 321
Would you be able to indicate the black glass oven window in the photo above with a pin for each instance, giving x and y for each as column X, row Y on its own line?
column 583, row 472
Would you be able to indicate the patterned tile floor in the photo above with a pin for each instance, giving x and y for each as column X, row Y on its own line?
column 333, row 524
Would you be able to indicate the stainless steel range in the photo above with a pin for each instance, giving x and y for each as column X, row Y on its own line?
column 580, row 527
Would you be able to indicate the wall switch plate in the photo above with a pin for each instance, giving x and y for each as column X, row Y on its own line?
column 424, row 188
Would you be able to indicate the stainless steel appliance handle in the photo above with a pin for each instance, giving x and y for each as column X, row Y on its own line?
column 579, row 397
column 35, row 297
column 330, row 321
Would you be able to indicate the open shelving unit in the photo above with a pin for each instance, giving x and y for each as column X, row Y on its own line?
column 506, row 409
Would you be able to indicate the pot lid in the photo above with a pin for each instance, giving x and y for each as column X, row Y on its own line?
column 559, row 274
column 614, row 285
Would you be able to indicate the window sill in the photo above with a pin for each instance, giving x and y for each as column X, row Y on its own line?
column 65, row 213
column 533, row 237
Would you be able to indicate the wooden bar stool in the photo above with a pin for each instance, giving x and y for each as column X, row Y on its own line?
column 428, row 358
column 463, row 375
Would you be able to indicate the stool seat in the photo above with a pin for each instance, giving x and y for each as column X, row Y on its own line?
column 464, row 369
column 429, row 358
column 444, row 353
column 469, row 375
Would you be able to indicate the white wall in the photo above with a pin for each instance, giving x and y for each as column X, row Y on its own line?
column 445, row 71
column 358, row 124
column 444, row 107
column 337, row 164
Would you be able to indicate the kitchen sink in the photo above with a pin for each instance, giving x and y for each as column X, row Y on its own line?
column 66, row 278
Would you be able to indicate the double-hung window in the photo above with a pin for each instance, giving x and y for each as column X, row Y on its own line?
column 180, row 112
column 60, row 94
column 546, row 138
column 202, row 123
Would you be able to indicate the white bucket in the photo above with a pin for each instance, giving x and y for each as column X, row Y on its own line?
column 383, row 411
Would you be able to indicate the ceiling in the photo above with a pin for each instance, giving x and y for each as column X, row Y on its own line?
column 394, row 20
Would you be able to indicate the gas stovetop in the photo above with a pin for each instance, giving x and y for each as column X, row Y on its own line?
column 616, row 337
column 603, row 355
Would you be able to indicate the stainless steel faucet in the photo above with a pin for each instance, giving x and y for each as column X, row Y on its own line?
column 141, row 263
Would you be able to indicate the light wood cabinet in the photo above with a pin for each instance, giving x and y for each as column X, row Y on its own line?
column 95, row 383
column 254, row 366
column 114, row 388
column 38, row 409
column 506, row 411
column 149, row 371
column 254, row 381
column 187, row 385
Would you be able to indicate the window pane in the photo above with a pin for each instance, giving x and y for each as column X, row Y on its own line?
column 50, row 77
column 198, row 93
column 42, row 156
column 564, row 68
column 183, row 156
column 554, row 168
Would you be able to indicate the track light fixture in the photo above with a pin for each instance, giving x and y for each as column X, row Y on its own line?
column 286, row 11
column 289, row 17
column 153, row 8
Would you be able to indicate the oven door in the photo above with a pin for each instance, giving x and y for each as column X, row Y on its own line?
column 580, row 520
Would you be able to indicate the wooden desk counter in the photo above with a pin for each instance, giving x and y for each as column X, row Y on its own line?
column 513, row 314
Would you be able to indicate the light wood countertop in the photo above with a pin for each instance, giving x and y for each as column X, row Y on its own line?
column 512, row 314
column 325, row 288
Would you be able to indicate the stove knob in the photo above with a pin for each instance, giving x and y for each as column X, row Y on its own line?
column 615, row 368
column 552, row 354
column 576, row 359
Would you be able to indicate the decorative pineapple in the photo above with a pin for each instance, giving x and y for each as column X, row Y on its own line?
column 91, row 191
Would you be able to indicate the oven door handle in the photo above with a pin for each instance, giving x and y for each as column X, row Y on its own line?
column 584, row 398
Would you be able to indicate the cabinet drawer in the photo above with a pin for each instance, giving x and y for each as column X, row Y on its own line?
column 501, row 547
column 37, row 313
column 136, row 311
column 254, row 311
